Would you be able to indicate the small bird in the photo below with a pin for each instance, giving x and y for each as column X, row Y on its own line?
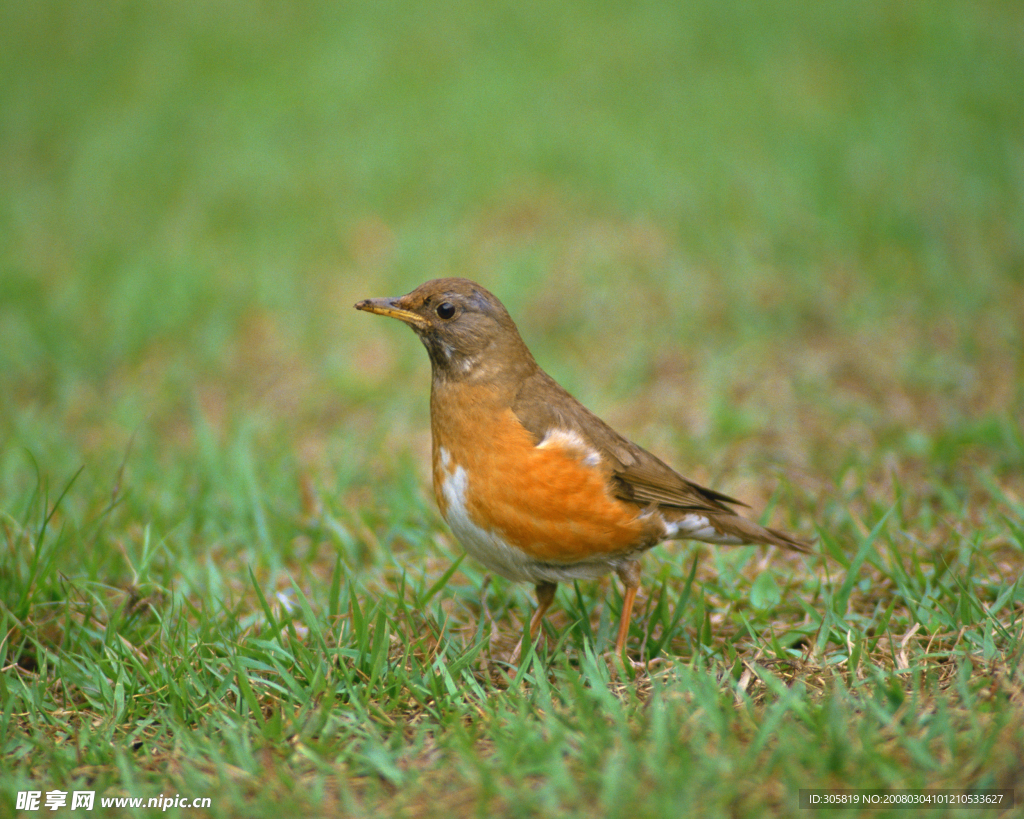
column 534, row 485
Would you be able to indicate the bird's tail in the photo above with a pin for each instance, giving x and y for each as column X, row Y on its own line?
column 746, row 531
column 727, row 529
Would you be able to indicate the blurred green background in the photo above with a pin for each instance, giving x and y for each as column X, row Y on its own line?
column 679, row 202
column 710, row 219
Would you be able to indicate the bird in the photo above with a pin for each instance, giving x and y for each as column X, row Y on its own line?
column 534, row 485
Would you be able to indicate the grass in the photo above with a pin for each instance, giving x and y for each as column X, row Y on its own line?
column 781, row 247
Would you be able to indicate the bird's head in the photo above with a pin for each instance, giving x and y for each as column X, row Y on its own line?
column 468, row 333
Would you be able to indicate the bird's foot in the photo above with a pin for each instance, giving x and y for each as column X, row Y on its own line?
column 513, row 658
column 636, row 666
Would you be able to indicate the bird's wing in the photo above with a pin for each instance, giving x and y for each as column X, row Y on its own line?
column 636, row 475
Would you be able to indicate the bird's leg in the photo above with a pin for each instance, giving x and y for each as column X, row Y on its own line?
column 629, row 574
column 545, row 597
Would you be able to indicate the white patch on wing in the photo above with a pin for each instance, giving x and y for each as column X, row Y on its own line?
column 572, row 442
column 697, row 527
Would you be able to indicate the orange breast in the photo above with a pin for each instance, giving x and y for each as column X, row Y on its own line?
column 545, row 501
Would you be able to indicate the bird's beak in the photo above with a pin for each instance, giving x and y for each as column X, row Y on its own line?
column 389, row 307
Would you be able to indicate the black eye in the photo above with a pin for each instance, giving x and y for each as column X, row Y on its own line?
column 445, row 310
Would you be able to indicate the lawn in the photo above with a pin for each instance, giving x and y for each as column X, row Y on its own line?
column 779, row 245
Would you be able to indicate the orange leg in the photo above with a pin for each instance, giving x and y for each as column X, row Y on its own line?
column 629, row 574
column 545, row 597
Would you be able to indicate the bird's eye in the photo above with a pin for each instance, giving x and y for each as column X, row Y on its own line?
column 445, row 310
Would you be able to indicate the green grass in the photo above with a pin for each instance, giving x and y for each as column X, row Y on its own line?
column 780, row 246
